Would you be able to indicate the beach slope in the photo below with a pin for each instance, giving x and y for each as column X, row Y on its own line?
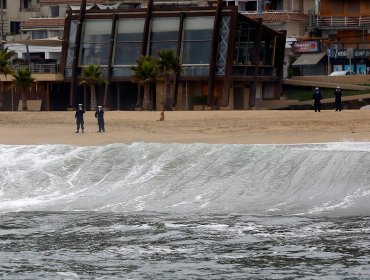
column 232, row 127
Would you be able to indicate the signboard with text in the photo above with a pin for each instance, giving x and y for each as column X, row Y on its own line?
column 305, row 47
column 357, row 53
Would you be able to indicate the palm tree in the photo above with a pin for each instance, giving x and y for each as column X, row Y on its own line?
column 169, row 66
column 91, row 76
column 5, row 69
column 23, row 80
column 145, row 73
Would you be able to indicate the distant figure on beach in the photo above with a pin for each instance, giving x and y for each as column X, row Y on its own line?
column 99, row 114
column 317, row 97
column 338, row 99
column 161, row 119
column 80, row 118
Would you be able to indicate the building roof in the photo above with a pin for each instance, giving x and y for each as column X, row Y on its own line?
column 43, row 22
column 279, row 16
column 47, row 42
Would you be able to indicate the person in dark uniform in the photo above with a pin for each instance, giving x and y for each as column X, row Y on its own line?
column 338, row 99
column 80, row 118
column 317, row 97
column 99, row 114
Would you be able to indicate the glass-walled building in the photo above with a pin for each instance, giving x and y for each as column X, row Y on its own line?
column 228, row 60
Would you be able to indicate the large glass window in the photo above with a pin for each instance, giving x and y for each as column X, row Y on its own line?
column 164, row 35
column 267, row 50
column 196, row 45
column 95, row 42
column 127, row 48
column 244, row 53
column 244, row 44
column 70, row 48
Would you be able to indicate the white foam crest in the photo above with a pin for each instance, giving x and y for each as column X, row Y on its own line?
column 336, row 146
column 308, row 179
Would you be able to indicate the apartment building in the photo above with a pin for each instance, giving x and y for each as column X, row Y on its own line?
column 13, row 13
column 344, row 27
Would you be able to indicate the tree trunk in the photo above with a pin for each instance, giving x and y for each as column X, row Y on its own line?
column 167, row 96
column 147, row 106
column 93, row 98
column 106, row 90
column 24, row 100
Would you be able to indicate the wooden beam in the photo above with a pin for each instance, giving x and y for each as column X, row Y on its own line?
column 229, row 61
column 76, row 52
column 214, row 49
column 144, row 45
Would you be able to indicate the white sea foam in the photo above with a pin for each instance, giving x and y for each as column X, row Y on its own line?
column 326, row 178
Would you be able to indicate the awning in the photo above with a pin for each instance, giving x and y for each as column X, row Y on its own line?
column 309, row 59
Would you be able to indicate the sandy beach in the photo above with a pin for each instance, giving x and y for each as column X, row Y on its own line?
column 234, row 127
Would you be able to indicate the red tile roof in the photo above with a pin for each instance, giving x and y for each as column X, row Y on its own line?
column 279, row 16
column 43, row 22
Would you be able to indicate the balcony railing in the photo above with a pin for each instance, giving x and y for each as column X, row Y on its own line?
column 272, row 11
column 249, row 70
column 39, row 68
column 31, row 9
column 338, row 22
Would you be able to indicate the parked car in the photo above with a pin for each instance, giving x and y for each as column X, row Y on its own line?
column 342, row 73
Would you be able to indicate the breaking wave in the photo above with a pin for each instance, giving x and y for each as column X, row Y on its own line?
column 318, row 179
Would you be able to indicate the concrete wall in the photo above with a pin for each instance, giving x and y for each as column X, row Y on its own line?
column 186, row 93
column 45, row 10
column 308, row 5
column 14, row 13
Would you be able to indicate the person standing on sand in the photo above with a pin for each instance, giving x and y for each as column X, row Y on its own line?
column 99, row 114
column 338, row 99
column 317, row 97
column 161, row 119
column 80, row 118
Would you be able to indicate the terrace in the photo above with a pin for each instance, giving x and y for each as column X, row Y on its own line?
column 341, row 22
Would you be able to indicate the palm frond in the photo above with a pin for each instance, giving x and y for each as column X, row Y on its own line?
column 91, row 75
column 168, row 62
column 146, row 70
column 23, row 78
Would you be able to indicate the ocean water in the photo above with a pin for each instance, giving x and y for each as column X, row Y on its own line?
column 185, row 211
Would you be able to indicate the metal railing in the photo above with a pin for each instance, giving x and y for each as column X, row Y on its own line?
column 38, row 68
column 330, row 22
column 272, row 12
column 31, row 9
